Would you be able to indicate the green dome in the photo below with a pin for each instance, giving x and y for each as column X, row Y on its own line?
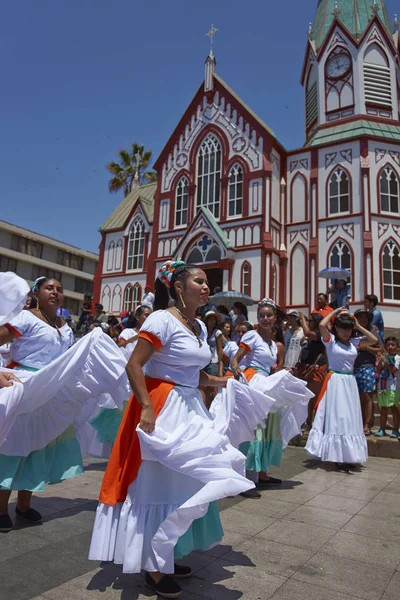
column 354, row 14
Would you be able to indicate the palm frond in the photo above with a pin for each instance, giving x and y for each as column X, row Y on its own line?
column 150, row 177
column 114, row 168
column 115, row 184
column 125, row 158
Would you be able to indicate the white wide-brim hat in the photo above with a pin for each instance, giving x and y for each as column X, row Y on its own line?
column 13, row 293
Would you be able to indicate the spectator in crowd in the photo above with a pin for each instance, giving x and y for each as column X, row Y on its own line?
column 322, row 308
column 214, row 340
column 135, row 321
column 371, row 303
column 86, row 313
column 364, row 370
column 99, row 314
column 294, row 335
column 239, row 316
column 148, row 297
column 313, row 365
column 388, row 388
column 340, row 293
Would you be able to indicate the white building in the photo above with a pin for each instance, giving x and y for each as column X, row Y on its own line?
column 265, row 220
column 32, row 255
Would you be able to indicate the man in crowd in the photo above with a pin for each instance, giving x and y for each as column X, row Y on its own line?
column 148, row 297
column 322, row 307
column 99, row 316
column 370, row 303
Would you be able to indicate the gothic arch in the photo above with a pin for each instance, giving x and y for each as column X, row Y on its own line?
column 378, row 184
column 245, row 278
column 298, row 270
column 351, row 254
column 110, row 255
column 389, row 281
column 297, row 176
column 116, row 299
column 105, row 298
column 118, row 255
column 350, row 192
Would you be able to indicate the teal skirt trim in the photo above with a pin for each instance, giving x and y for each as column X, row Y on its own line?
column 202, row 533
column 59, row 460
column 107, row 423
column 266, row 449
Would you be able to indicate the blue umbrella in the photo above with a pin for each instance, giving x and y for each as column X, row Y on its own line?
column 334, row 273
column 228, row 299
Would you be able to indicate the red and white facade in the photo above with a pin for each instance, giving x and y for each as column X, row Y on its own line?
column 264, row 220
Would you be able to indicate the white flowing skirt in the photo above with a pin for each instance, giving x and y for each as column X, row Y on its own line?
column 337, row 434
column 291, row 400
column 187, row 462
column 66, row 392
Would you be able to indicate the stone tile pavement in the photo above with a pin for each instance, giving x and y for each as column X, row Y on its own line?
column 322, row 535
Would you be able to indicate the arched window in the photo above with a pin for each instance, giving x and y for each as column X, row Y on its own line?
column 235, row 192
column 209, row 175
column 116, row 299
column 132, row 297
column 299, row 198
column 246, row 279
column 389, row 190
column 182, row 199
column 391, row 271
column 194, row 257
column 340, row 256
column 110, row 256
column 339, row 192
column 298, row 269
column 136, row 246
column 118, row 256
column 105, row 298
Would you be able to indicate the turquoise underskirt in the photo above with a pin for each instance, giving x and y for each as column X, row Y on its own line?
column 266, row 450
column 107, row 423
column 59, row 460
column 202, row 533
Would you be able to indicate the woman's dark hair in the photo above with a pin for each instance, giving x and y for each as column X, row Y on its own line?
column 248, row 325
column 243, row 309
column 364, row 313
column 343, row 322
column 223, row 310
column 113, row 321
column 133, row 316
column 162, row 295
column 391, row 339
column 317, row 318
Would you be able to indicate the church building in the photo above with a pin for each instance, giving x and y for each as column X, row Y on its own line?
column 265, row 220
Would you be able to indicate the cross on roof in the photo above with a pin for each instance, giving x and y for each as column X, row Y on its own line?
column 211, row 33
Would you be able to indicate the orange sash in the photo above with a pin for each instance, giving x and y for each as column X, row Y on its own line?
column 323, row 390
column 125, row 459
column 248, row 373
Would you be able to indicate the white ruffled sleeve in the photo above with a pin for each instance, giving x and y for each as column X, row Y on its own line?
column 249, row 340
column 22, row 324
column 157, row 328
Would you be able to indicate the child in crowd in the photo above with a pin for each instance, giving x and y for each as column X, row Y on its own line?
column 389, row 387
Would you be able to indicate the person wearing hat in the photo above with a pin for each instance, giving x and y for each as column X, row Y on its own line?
column 293, row 337
column 148, row 297
column 364, row 369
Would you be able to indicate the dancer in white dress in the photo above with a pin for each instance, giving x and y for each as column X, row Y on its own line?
column 257, row 354
column 337, row 434
column 171, row 460
column 37, row 440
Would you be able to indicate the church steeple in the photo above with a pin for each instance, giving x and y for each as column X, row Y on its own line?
column 354, row 14
column 211, row 63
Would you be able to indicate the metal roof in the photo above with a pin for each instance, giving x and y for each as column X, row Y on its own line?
column 345, row 131
column 144, row 194
column 354, row 14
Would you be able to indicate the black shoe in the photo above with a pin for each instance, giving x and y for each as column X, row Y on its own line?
column 5, row 524
column 270, row 481
column 251, row 494
column 166, row 587
column 31, row 515
column 343, row 467
column 181, row 572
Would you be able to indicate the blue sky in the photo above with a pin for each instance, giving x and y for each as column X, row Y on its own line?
column 84, row 78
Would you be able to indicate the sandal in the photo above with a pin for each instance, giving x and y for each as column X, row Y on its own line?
column 367, row 432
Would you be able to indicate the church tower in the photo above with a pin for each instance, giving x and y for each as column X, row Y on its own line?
column 343, row 186
column 351, row 64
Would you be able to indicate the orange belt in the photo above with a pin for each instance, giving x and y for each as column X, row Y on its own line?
column 125, row 459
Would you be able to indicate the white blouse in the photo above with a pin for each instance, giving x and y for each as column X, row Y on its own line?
column 178, row 358
column 260, row 354
column 37, row 343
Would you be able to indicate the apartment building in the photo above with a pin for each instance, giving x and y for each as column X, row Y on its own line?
column 32, row 255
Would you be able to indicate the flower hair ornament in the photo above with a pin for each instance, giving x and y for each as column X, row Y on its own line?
column 167, row 270
column 267, row 302
column 35, row 287
column 344, row 313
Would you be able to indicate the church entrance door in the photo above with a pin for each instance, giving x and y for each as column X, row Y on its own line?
column 215, row 277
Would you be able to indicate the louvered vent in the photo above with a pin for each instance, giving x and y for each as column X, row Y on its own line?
column 377, row 85
column 312, row 105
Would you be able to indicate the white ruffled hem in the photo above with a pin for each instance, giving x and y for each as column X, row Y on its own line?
column 90, row 374
column 330, row 447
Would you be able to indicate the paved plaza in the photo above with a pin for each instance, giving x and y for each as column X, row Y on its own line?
column 322, row 535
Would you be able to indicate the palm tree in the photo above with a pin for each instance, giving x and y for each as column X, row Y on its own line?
column 131, row 169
